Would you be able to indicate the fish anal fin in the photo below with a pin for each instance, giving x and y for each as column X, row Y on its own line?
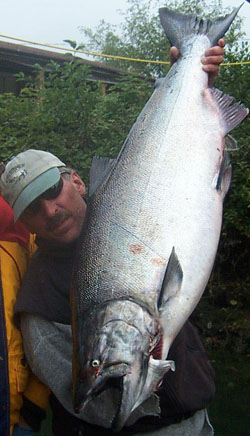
column 224, row 177
column 231, row 143
column 231, row 114
column 172, row 281
column 100, row 168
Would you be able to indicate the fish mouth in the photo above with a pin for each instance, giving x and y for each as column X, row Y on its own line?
column 112, row 381
column 110, row 378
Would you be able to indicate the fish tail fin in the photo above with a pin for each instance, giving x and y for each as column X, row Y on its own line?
column 178, row 27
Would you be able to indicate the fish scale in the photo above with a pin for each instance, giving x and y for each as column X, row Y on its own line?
column 153, row 227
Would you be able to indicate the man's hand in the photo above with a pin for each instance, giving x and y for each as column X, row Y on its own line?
column 211, row 61
column 173, row 55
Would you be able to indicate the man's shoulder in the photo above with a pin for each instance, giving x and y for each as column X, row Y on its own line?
column 32, row 272
column 34, row 282
column 46, row 286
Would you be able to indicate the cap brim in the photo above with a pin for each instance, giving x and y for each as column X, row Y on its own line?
column 34, row 189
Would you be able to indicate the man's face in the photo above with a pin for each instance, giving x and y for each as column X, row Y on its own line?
column 59, row 219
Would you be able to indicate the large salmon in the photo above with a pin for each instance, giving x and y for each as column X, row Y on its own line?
column 153, row 228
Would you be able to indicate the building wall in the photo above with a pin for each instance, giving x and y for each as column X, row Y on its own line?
column 8, row 83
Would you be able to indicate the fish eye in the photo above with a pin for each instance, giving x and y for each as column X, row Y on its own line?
column 95, row 363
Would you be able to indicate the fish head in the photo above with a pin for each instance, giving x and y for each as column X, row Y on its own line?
column 115, row 357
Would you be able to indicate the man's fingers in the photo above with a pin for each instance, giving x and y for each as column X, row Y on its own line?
column 222, row 43
column 215, row 60
column 173, row 54
column 211, row 60
column 211, row 68
column 214, row 51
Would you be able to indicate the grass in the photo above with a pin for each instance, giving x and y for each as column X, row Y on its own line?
column 229, row 412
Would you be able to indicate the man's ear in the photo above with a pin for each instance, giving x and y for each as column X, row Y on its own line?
column 78, row 184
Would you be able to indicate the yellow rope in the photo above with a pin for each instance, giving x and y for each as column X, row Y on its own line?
column 236, row 63
column 103, row 55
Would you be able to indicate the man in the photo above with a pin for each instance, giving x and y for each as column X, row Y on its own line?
column 49, row 199
column 23, row 399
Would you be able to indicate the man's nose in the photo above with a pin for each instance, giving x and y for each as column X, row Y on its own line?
column 48, row 207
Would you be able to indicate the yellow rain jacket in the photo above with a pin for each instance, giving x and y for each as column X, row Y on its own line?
column 16, row 248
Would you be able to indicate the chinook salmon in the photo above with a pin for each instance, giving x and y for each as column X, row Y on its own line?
column 154, row 222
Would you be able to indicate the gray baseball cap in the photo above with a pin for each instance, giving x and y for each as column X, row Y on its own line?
column 28, row 175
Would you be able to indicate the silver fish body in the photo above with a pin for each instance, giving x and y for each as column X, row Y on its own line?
column 153, row 231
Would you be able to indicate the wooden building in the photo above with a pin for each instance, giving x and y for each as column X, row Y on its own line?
column 15, row 58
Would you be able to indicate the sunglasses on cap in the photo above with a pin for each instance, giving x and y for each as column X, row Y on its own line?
column 50, row 194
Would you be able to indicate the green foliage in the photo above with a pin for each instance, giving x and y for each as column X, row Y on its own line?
column 54, row 117
column 68, row 115
column 137, row 40
column 229, row 411
column 118, row 112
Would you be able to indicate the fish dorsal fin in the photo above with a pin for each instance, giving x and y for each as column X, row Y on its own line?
column 232, row 114
column 99, row 170
column 172, row 281
column 179, row 27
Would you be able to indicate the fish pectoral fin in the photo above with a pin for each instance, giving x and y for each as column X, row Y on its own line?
column 160, row 367
column 99, row 171
column 156, row 371
column 232, row 114
column 224, row 177
column 172, row 281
